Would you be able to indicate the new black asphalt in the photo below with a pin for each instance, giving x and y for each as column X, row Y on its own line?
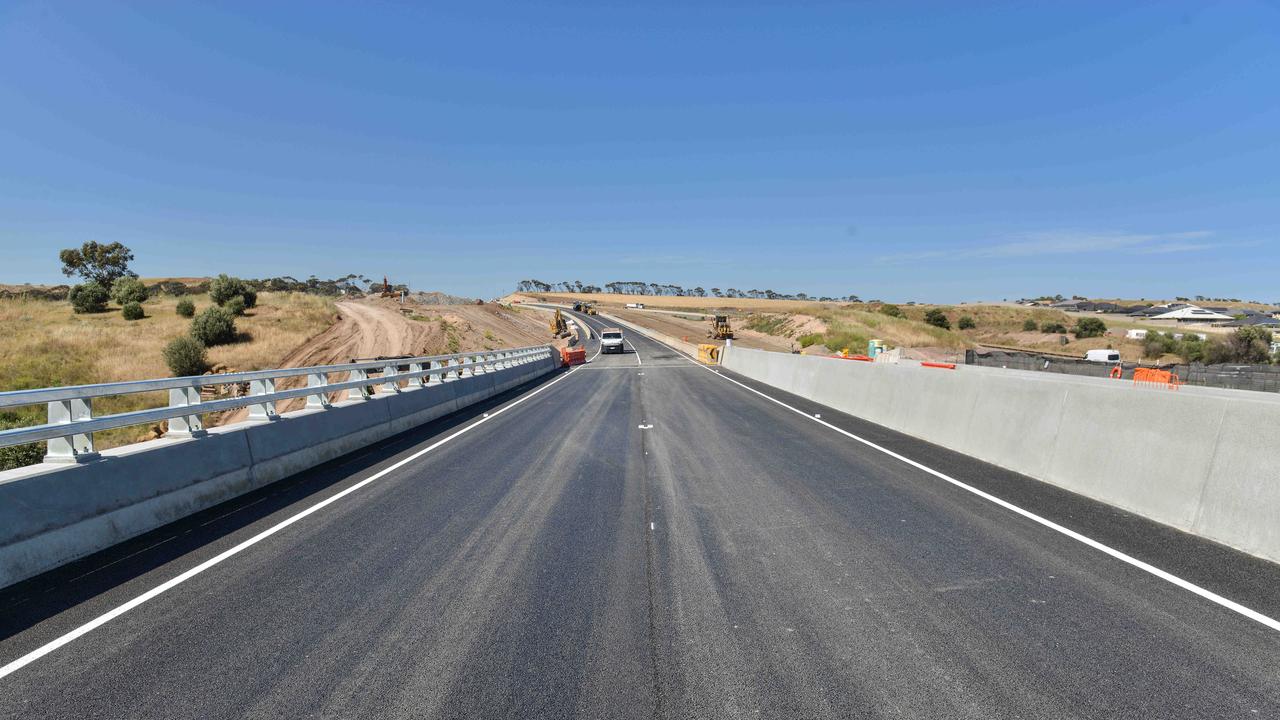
column 644, row 538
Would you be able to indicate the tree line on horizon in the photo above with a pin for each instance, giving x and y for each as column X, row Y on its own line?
column 638, row 287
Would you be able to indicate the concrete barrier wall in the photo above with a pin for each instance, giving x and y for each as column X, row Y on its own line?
column 52, row 514
column 1201, row 460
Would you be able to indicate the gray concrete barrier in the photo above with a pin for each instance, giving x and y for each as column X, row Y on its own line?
column 51, row 514
column 1199, row 459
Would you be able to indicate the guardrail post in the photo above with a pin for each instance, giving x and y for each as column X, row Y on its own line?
column 436, row 378
column 185, row 426
column 76, row 447
column 390, row 386
column 470, row 366
column 263, row 411
column 319, row 401
column 418, row 381
column 358, row 393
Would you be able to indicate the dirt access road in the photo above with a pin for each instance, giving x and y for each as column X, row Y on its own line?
column 374, row 327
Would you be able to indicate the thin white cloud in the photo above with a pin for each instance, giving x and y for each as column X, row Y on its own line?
column 1068, row 242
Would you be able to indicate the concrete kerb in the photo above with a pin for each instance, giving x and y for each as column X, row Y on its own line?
column 1200, row 462
column 53, row 514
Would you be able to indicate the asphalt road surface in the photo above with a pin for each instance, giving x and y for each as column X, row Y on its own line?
column 643, row 538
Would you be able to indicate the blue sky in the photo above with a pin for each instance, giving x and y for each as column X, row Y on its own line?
column 929, row 151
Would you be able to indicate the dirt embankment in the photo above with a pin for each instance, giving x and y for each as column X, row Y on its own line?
column 696, row 331
column 373, row 327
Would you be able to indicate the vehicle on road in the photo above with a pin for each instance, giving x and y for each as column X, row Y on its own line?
column 1102, row 356
column 611, row 340
column 635, row 306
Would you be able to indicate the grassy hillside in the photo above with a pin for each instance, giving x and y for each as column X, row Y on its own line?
column 43, row 343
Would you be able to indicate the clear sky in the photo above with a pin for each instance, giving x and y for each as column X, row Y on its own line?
column 940, row 151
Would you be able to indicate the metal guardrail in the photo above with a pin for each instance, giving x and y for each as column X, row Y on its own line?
column 71, row 421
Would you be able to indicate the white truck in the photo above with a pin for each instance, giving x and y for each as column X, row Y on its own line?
column 635, row 306
column 1102, row 356
column 611, row 340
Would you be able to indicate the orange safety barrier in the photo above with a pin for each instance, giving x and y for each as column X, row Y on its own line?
column 944, row 366
column 1116, row 372
column 1152, row 376
column 863, row 358
column 572, row 356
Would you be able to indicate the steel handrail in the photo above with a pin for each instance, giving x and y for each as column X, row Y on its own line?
column 71, row 424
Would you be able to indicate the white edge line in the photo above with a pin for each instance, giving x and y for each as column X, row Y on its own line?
column 1169, row 577
column 110, row 615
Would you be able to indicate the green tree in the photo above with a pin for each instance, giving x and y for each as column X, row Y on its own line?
column 95, row 262
column 235, row 306
column 185, row 308
column 214, row 326
column 224, row 287
column 185, row 356
column 1090, row 328
column 88, row 297
column 937, row 318
column 966, row 323
column 132, row 311
column 128, row 289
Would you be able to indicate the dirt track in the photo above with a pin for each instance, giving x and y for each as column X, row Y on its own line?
column 372, row 328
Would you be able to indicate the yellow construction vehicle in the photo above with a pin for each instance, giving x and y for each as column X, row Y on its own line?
column 720, row 329
column 590, row 309
column 559, row 327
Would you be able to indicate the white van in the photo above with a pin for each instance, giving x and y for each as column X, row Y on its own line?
column 635, row 306
column 1102, row 356
column 611, row 341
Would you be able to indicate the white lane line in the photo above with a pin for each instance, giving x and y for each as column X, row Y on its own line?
column 107, row 617
column 637, row 352
column 1187, row 585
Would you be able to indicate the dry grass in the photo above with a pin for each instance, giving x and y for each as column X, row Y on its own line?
column 44, row 344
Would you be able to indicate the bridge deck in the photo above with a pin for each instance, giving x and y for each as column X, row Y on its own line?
column 642, row 537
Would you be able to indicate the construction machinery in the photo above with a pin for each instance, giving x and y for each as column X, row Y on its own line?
column 386, row 289
column 559, row 327
column 720, row 328
column 585, row 307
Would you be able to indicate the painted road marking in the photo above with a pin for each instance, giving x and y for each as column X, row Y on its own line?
column 1169, row 577
column 646, row 427
column 107, row 617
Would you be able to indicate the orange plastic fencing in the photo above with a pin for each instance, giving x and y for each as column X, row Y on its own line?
column 863, row 358
column 1152, row 376
column 572, row 356
column 944, row 366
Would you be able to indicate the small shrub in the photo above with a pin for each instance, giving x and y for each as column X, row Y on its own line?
column 812, row 339
column 250, row 298
column 891, row 310
column 235, row 306
column 966, row 323
column 1090, row 328
column 214, row 326
column 1055, row 328
column 132, row 311
column 185, row 308
column 16, row 456
column 185, row 356
column 1030, row 326
column 89, row 297
column 128, row 290
column 224, row 287
column 938, row 319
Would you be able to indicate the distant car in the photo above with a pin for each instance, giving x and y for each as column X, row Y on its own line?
column 611, row 340
column 1102, row 356
column 635, row 306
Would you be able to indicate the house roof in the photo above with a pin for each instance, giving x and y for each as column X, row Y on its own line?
column 1192, row 312
column 1255, row 320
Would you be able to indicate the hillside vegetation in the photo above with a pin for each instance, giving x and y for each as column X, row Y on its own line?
column 44, row 343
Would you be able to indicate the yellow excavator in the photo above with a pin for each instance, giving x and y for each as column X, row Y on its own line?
column 720, row 329
column 559, row 327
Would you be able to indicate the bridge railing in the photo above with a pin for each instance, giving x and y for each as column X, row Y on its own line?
column 71, row 422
